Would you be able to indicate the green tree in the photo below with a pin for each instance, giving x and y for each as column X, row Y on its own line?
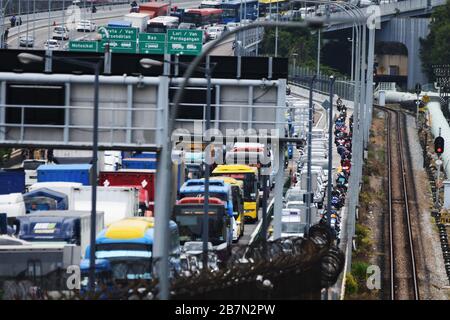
column 298, row 40
column 435, row 48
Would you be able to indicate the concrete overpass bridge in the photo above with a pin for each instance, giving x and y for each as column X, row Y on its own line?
column 405, row 22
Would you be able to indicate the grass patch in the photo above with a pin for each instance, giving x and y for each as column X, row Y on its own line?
column 363, row 241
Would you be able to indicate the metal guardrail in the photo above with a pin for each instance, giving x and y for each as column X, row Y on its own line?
column 343, row 87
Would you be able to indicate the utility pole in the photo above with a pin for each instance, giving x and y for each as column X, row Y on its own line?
column 318, row 53
column 205, row 233
column 308, row 178
column 276, row 35
column 330, row 150
column 48, row 24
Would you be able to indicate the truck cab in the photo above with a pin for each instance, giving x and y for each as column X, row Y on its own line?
column 128, row 246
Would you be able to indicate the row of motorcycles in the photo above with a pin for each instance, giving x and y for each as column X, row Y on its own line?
column 343, row 142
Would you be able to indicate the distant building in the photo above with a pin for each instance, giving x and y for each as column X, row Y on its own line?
column 391, row 63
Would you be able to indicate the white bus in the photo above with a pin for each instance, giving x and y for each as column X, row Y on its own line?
column 162, row 23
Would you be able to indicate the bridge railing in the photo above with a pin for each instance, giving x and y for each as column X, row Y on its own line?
column 343, row 86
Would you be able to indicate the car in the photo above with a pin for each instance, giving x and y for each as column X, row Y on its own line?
column 86, row 25
column 26, row 41
column 52, row 44
column 215, row 32
column 232, row 25
column 60, row 33
column 185, row 25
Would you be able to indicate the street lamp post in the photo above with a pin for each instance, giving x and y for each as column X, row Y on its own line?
column 318, row 53
column 294, row 55
column 308, row 176
column 27, row 58
column 330, row 150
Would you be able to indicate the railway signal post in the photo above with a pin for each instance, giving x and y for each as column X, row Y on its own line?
column 439, row 149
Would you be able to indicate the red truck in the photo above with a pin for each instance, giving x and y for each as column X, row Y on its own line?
column 154, row 9
column 143, row 179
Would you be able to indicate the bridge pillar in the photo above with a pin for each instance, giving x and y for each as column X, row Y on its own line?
column 407, row 31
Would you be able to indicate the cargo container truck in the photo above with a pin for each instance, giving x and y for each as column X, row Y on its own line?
column 65, row 173
column 142, row 179
column 13, row 205
column 138, row 20
column 154, row 9
column 115, row 202
column 64, row 227
column 12, row 181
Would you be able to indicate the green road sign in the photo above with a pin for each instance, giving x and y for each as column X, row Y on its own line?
column 152, row 43
column 120, row 46
column 124, row 34
column 83, row 46
column 187, row 42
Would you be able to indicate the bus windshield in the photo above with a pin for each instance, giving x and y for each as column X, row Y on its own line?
column 190, row 223
column 128, row 260
column 250, row 184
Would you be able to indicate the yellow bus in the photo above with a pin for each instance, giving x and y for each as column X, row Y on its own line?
column 237, row 190
column 249, row 176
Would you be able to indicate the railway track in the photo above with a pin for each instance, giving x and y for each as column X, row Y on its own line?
column 402, row 261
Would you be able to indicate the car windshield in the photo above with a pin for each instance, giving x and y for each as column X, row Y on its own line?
column 295, row 196
column 294, row 205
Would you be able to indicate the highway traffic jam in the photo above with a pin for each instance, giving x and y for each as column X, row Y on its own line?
column 46, row 202
column 212, row 17
column 46, row 194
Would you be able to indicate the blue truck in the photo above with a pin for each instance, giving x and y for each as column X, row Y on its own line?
column 12, row 181
column 70, row 227
column 81, row 173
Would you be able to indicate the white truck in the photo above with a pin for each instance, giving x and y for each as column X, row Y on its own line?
column 13, row 205
column 35, row 261
column 30, row 167
column 138, row 20
column 116, row 202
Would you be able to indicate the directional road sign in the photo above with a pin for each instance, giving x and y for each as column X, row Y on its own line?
column 120, row 46
column 128, row 34
column 122, row 40
column 83, row 46
column 152, row 43
column 184, row 41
